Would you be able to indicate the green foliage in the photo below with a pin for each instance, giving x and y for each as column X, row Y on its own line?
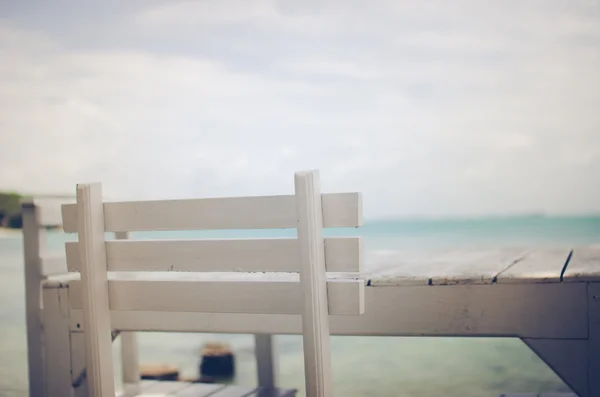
column 10, row 209
column 10, row 203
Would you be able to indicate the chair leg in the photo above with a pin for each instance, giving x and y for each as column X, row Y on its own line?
column 130, row 362
column 57, row 347
column 266, row 360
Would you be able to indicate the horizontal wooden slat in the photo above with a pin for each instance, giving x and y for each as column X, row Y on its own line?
column 53, row 264
column 554, row 310
column 342, row 254
column 262, row 212
column 346, row 297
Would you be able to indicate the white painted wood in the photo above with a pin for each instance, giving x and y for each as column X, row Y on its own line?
column 594, row 339
column 266, row 360
column 94, row 295
column 584, row 265
column 53, row 264
column 315, row 319
column 77, row 359
column 32, row 241
column 440, row 267
column 342, row 254
column 267, row 212
column 554, row 310
column 276, row 297
column 567, row 358
column 49, row 210
column 129, row 350
column 57, row 357
column 537, row 266
column 130, row 360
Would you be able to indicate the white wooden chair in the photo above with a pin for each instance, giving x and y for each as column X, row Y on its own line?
column 42, row 266
column 204, row 288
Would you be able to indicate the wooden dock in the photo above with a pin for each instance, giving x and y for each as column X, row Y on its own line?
column 548, row 297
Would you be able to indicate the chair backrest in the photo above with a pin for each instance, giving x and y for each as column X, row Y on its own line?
column 184, row 284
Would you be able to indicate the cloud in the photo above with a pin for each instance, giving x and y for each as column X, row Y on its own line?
column 427, row 108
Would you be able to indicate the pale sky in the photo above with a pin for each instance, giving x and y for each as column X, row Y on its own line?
column 462, row 107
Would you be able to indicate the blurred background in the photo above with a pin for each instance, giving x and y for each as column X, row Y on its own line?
column 464, row 124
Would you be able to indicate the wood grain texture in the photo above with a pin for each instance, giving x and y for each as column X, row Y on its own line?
column 266, row 212
column 342, row 254
column 553, row 310
column 440, row 267
column 277, row 297
column 537, row 266
column 93, row 295
column 584, row 265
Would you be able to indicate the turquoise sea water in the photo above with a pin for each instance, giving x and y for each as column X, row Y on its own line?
column 363, row 366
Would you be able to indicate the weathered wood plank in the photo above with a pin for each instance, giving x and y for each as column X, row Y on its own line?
column 542, row 265
column 277, row 297
column 342, row 254
column 584, row 265
column 555, row 310
column 266, row 212
column 448, row 267
column 474, row 266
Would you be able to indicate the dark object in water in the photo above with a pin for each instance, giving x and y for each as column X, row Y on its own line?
column 218, row 362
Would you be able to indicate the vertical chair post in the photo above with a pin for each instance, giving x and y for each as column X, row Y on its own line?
column 96, row 316
column 129, row 351
column 266, row 360
column 32, row 241
column 58, row 349
column 315, row 316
